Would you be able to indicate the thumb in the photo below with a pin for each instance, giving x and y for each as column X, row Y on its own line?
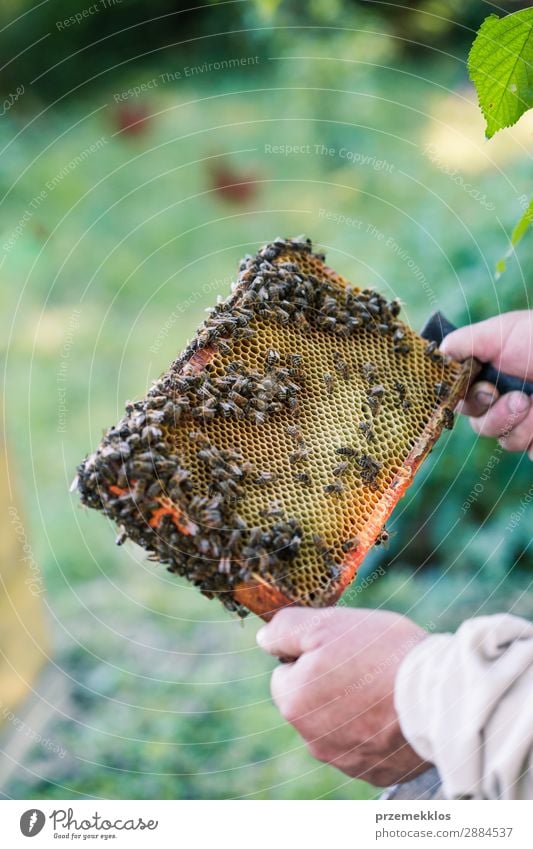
column 505, row 340
column 482, row 340
column 293, row 631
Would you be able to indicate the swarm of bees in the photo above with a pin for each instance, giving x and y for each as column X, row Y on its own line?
column 186, row 495
column 239, row 393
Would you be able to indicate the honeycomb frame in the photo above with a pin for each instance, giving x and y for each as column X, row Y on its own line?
column 264, row 463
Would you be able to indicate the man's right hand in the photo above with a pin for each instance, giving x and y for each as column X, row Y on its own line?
column 505, row 341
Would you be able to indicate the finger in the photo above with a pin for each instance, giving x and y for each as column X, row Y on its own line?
column 282, row 691
column 506, row 341
column 506, row 414
column 480, row 397
column 520, row 438
column 483, row 340
column 292, row 631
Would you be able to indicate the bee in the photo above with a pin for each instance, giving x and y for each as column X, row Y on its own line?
column 343, row 329
column 155, row 489
column 255, row 537
column 235, row 366
column 155, row 402
column 228, row 488
column 273, row 357
column 212, row 514
column 350, row 544
column 328, row 380
column 265, row 477
column 352, row 323
column 321, row 546
column 229, row 409
column 224, row 566
column 238, row 399
column 367, row 431
column 205, row 546
column 300, row 321
column 369, row 372
column 122, row 537
column 291, row 388
column 208, row 389
column 341, row 469
column 151, row 432
column 273, row 511
column 327, row 322
column 133, row 439
column 401, row 347
column 341, row 366
column 448, row 418
column 282, row 315
column 374, row 396
column 243, row 318
column 270, row 252
column 303, row 477
column 205, row 338
column 243, row 333
column 248, row 314
column 249, row 297
column 286, row 539
column 329, row 304
column 370, row 467
column 442, row 389
column 334, row 573
column 433, row 353
column 299, row 456
column 400, row 389
column 403, row 401
column 109, row 452
column 295, row 360
column 223, row 347
column 294, row 432
column 243, row 385
column 234, row 539
column 346, row 451
column 335, row 486
column 383, row 537
column 207, row 455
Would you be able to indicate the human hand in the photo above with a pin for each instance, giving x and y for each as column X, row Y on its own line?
column 339, row 692
column 506, row 341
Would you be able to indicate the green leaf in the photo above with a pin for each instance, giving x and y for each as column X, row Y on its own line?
column 519, row 231
column 500, row 64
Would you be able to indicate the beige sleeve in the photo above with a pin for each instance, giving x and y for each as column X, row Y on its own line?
column 465, row 704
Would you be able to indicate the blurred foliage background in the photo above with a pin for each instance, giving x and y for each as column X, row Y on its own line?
column 138, row 164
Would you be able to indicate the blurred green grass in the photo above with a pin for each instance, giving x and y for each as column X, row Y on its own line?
column 112, row 272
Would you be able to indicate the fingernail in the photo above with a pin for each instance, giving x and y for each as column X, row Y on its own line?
column 484, row 398
column 517, row 402
column 261, row 637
